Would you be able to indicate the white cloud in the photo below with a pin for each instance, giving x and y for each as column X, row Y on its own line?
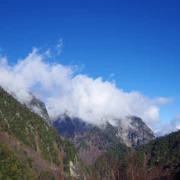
column 167, row 128
column 63, row 90
column 3, row 61
column 176, row 122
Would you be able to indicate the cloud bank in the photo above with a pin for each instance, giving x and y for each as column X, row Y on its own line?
column 64, row 90
column 167, row 128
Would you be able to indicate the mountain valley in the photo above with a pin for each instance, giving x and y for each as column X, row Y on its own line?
column 31, row 148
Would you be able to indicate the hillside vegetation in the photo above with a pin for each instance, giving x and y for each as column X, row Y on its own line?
column 28, row 144
column 159, row 159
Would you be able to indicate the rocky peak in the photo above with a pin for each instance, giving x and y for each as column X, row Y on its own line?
column 134, row 131
column 39, row 108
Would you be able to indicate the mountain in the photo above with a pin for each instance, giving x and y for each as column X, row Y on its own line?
column 30, row 148
column 38, row 107
column 135, row 132
column 125, row 151
column 91, row 141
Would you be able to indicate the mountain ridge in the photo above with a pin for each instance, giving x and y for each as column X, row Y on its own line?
column 30, row 148
column 28, row 137
column 91, row 140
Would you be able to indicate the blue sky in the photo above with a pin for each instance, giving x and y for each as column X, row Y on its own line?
column 137, row 41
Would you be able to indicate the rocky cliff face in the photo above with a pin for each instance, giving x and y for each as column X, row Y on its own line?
column 38, row 107
column 91, row 141
column 134, row 132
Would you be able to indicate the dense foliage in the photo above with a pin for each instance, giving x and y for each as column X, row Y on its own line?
column 11, row 167
column 115, row 159
column 164, row 150
column 101, row 138
column 159, row 158
column 28, row 127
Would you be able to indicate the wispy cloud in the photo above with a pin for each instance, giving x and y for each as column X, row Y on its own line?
column 162, row 100
column 59, row 46
column 167, row 128
column 47, row 53
column 63, row 90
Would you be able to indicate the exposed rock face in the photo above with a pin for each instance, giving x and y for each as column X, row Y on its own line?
column 91, row 141
column 76, row 170
column 135, row 133
column 39, row 107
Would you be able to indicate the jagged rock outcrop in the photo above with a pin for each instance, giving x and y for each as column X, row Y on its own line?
column 134, row 132
column 38, row 107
